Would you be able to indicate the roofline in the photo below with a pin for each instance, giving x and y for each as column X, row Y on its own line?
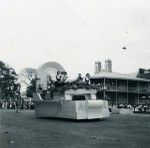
column 132, row 79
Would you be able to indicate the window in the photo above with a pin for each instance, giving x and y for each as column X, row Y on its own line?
column 78, row 97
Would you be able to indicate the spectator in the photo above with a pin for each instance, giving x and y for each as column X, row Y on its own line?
column 1, row 103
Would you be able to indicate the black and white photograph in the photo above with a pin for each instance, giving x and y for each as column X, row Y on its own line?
column 74, row 74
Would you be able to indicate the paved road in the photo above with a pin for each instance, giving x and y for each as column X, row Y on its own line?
column 25, row 131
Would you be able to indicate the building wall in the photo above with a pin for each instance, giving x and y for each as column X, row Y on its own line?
column 123, row 91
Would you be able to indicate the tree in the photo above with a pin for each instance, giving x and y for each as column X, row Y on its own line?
column 31, row 88
column 8, row 82
column 27, row 75
column 28, row 80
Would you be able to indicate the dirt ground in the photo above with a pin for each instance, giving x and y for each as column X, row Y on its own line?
column 23, row 130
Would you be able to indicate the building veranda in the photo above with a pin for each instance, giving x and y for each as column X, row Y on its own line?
column 122, row 88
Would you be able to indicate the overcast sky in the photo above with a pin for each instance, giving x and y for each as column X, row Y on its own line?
column 75, row 33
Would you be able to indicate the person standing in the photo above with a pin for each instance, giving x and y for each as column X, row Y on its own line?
column 64, row 77
column 58, row 76
column 1, row 103
column 50, row 86
column 19, row 100
column 58, row 79
column 79, row 79
column 87, row 78
column 18, row 103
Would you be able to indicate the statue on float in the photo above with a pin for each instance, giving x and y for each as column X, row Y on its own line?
column 58, row 97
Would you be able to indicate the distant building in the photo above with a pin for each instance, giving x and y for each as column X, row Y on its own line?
column 108, row 65
column 106, row 68
column 98, row 67
column 122, row 88
column 144, row 73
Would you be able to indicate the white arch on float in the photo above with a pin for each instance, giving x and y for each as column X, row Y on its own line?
column 49, row 68
column 51, row 64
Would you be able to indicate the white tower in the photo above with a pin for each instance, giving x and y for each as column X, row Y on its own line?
column 97, row 67
column 108, row 65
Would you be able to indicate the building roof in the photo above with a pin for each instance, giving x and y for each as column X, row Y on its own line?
column 114, row 75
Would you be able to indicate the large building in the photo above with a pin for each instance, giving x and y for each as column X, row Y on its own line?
column 122, row 88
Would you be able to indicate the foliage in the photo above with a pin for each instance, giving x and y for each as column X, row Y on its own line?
column 66, row 86
column 27, row 75
column 31, row 88
column 27, row 79
column 8, row 82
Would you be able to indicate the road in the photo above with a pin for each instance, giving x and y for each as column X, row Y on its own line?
column 23, row 130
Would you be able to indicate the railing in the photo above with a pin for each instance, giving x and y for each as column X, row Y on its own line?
column 122, row 88
column 132, row 89
column 143, row 89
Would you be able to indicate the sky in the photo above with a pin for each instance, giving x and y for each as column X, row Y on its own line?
column 75, row 33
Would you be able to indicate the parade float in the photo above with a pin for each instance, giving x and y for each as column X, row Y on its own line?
column 69, row 101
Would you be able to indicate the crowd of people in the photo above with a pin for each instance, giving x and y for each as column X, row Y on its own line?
column 141, row 108
column 121, row 105
column 16, row 104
